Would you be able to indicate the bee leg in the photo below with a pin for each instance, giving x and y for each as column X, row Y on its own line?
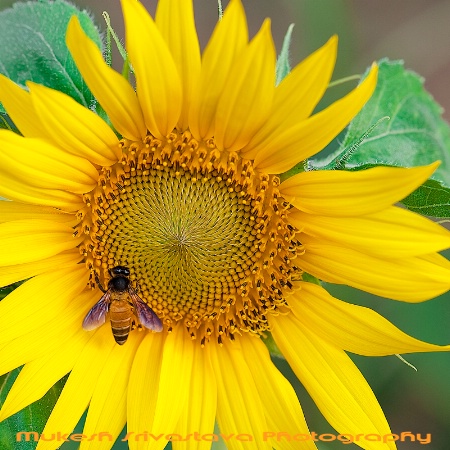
column 136, row 288
column 98, row 282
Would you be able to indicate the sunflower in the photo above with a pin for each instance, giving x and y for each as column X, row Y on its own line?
column 187, row 200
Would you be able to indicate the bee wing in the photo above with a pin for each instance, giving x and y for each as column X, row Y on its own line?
column 97, row 315
column 144, row 313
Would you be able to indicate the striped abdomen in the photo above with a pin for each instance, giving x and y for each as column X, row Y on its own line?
column 120, row 315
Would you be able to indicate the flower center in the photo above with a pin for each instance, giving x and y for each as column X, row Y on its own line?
column 204, row 235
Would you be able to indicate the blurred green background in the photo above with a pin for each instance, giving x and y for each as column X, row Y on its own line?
column 418, row 32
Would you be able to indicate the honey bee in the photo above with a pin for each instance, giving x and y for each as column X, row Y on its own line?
column 121, row 301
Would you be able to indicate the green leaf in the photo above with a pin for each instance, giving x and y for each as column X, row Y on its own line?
column 5, row 121
column 415, row 134
column 339, row 158
column 283, row 64
column 272, row 346
column 33, row 46
column 32, row 418
column 430, row 199
column 7, row 430
column 4, row 291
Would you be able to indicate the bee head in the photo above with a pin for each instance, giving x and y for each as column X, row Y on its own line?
column 119, row 270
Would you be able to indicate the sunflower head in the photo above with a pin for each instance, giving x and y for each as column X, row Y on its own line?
column 204, row 235
column 192, row 206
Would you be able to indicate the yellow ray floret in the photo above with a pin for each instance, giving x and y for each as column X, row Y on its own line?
column 19, row 105
column 279, row 152
column 51, row 331
column 281, row 407
column 243, row 410
column 73, row 127
column 386, row 234
column 17, row 211
column 45, row 166
column 79, row 387
column 199, row 412
column 157, row 80
column 342, row 193
column 108, row 407
column 351, row 327
column 175, row 376
column 412, row 279
column 142, row 386
column 18, row 272
column 183, row 43
column 296, row 96
column 29, row 240
column 39, row 375
column 39, row 300
column 21, row 191
column 333, row 381
column 229, row 39
column 247, row 95
column 111, row 89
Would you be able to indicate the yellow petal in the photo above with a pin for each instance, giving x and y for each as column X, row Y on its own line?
column 243, row 411
column 353, row 328
column 19, row 272
column 79, row 387
column 300, row 91
column 108, row 407
column 305, row 139
column 342, row 193
column 21, row 191
column 73, row 127
column 281, row 407
column 199, row 412
column 39, row 300
column 246, row 99
column 17, row 211
column 391, row 233
column 229, row 39
column 143, row 388
column 27, row 345
column 296, row 96
column 175, row 21
column 19, row 107
column 111, row 89
column 38, row 376
column 335, row 384
column 29, row 240
column 43, row 165
column 157, row 79
column 175, row 379
column 413, row 279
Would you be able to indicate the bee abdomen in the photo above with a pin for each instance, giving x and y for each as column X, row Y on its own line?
column 120, row 317
column 120, row 332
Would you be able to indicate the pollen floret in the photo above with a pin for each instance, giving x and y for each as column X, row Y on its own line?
column 204, row 235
